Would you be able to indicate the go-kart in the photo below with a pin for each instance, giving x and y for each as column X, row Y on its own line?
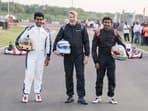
column 12, row 50
column 133, row 52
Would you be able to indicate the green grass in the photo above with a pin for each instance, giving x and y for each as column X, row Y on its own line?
column 9, row 35
column 143, row 47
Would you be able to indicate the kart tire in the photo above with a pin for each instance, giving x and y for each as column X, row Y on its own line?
column 5, row 51
column 141, row 56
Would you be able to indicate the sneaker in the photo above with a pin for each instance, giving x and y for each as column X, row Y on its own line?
column 112, row 100
column 97, row 100
column 82, row 101
column 38, row 98
column 25, row 99
column 69, row 99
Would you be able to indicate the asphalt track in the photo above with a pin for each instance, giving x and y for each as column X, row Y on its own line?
column 131, row 90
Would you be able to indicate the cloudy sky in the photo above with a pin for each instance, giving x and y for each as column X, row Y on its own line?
column 95, row 5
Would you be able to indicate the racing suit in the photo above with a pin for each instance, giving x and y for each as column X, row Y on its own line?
column 78, row 38
column 34, row 62
column 101, row 53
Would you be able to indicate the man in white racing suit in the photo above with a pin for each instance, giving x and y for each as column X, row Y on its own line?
column 36, row 58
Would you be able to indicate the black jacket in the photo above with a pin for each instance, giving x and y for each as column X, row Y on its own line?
column 103, row 42
column 77, row 36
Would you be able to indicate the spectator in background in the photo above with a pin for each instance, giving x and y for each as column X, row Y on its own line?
column 145, row 33
column 126, row 31
column 132, row 32
column 137, row 32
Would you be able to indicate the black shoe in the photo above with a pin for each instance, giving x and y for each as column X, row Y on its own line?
column 82, row 101
column 69, row 100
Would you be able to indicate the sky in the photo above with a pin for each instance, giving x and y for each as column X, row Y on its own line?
column 112, row 6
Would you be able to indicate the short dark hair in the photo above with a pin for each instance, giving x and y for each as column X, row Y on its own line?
column 38, row 14
column 107, row 18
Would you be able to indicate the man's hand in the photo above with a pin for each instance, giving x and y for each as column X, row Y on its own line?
column 19, row 48
column 97, row 65
column 46, row 62
column 57, row 53
column 86, row 58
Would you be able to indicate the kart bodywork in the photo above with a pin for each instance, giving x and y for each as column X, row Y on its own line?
column 133, row 52
column 12, row 50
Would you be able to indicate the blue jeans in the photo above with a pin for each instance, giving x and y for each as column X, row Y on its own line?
column 137, row 36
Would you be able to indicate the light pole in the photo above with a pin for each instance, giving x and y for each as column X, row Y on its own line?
column 143, row 15
column 0, row 5
column 72, row 3
column 8, row 7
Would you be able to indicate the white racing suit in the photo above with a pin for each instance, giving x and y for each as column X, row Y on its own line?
column 34, row 62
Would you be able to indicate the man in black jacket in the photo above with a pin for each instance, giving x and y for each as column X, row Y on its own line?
column 77, row 36
column 102, row 43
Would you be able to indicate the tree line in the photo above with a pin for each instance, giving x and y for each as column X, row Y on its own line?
column 52, row 13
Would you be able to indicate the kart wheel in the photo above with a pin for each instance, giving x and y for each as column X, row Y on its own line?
column 5, row 51
column 141, row 56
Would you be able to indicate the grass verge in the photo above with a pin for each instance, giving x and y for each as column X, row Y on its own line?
column 9, row 35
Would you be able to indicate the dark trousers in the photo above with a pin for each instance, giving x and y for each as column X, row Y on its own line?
column 126, row 37
column 137, row 37
column 145, row 40
column 107, row 64
column 132, row 37
column 70, row 62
